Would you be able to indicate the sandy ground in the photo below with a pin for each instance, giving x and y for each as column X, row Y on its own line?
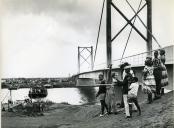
column 159, row 114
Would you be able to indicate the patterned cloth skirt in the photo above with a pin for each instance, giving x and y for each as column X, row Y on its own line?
column 164, row 79
column 149, row 84
column 149, row 89
column 102, row 96
column 150, row 80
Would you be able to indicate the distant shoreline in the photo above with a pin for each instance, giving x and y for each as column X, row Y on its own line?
column 31, row 82
column 58, row 86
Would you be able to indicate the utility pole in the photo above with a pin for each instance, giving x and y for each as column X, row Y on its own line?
column 149, row 26
column 108, row 32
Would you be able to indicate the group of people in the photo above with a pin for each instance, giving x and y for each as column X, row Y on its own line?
column 154, row 78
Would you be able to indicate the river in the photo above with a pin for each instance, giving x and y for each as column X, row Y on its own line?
column 75, row 96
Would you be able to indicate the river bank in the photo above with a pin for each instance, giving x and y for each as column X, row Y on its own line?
column 30, row 82
column 158, row 114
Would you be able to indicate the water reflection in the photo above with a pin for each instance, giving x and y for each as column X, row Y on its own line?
column 69, row 95
column 87, row 94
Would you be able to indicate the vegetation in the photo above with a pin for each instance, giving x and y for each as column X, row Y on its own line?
column 30, row 82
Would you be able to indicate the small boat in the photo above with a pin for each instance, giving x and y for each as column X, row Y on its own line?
column 38, row 92
column 48, row 86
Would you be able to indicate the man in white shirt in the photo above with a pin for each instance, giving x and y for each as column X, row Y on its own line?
column 132, row 94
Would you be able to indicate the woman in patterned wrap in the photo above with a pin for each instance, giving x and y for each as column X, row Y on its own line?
column 149, row 79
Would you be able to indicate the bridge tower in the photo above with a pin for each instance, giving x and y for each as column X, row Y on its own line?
column 108, row 33
column 85, row 59
column 109, row 38
column 149, row 26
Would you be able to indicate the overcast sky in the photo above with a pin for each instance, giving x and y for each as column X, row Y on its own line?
column 39, row 38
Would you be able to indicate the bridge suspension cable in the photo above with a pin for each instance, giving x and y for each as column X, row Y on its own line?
column 130, row 32
column 132, row 26
column 144, row 24
column 98, row 35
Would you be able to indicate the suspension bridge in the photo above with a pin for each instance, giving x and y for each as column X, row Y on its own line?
column 85, row 116
column 89, row 78
column 136, row 61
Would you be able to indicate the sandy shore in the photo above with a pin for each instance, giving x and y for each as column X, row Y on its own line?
column 159, row 114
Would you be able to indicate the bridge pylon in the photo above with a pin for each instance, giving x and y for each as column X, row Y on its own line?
column 85, row 59
column 110, row 39
column 149, row 26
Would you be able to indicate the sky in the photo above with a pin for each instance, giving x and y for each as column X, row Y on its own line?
column 39, row 38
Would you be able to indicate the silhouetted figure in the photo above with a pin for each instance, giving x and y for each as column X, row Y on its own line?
column 102, row 94
column 157, row 73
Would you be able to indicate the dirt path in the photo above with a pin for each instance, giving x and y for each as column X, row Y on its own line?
column 159, row 114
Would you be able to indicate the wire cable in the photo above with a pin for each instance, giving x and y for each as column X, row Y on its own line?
column 130, row 33
column 99, row 30
column 144, row 25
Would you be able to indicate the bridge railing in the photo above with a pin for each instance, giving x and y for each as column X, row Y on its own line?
column 134, row 60
column 138, row 59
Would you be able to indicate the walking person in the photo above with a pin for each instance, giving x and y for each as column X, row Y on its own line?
column 123, row 74
column 101, row 94
column 132, row 94
column 149, row 79
column 131, row 72
column 126, row 83
column 157, row 74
